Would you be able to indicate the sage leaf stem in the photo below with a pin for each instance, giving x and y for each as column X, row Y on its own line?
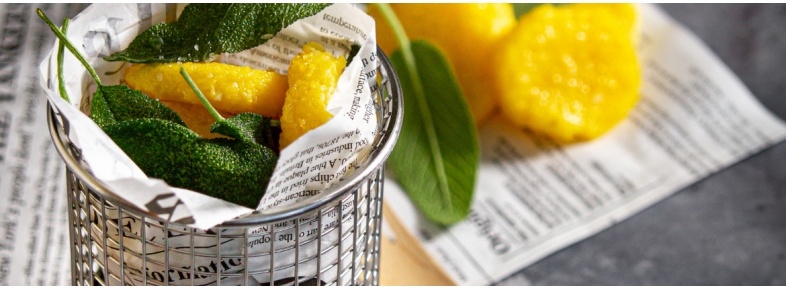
column 217, row 116
column 63, row 39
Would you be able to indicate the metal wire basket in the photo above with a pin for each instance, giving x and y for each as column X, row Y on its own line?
column 336, row 236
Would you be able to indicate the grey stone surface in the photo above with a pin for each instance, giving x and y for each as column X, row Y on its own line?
column 728, row 229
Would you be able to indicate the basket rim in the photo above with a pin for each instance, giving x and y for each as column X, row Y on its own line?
column 374, row 161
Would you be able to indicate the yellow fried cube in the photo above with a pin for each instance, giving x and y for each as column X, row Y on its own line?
column 229, row 88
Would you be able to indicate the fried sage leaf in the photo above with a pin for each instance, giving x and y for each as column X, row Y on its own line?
column 116, row 103
column 234, row 170
column 206, row 30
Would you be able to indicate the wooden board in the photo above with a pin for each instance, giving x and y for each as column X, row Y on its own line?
column 404, row 262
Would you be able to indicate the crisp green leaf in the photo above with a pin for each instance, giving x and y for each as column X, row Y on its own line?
column 99, row 110
column 250, row 127
column 120, row 103
column 437, row 153
column 206, row 30
column 352, row 53
column 234, row 170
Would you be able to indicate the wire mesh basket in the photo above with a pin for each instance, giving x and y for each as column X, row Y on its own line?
column 332, row 240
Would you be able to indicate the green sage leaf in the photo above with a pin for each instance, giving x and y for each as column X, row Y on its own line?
column 99, row 110
column 120, row 103
column 234, row 170
column 249, row 127
column 206, row 30
column 352, row 53
column 437, row 153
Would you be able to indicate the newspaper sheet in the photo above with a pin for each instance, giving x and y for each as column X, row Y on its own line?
column 33, row 233
column 533, row 197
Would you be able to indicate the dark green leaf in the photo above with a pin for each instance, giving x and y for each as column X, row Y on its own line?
column 120, row 103
column 352, row 53
column 233, row 170
column 248, row 126
column 99, row 110
column 437, row 153
column 206, row 30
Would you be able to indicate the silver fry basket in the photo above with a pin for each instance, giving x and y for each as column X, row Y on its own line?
column 114, row 243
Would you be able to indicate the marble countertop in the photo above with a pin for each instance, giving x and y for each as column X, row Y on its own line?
column 728, row 229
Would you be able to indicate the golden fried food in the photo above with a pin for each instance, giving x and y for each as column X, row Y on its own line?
column 571, row 71
column 313, row 77
column 229, row 88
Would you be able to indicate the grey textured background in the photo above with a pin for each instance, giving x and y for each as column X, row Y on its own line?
column 728, row 229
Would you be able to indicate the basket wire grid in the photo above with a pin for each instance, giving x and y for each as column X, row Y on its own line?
column 114, row 243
